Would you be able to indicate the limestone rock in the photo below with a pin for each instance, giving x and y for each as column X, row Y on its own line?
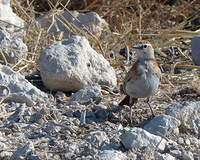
column 20, row 89
column 136, row 138
column 162, row 125
column 91, row 20
column 13, row 47
column 72, row 65
column 7, row 15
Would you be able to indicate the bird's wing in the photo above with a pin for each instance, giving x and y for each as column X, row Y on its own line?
column 131, row 75
column 157, row 68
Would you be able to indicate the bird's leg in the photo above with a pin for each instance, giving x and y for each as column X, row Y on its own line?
column 148, row 99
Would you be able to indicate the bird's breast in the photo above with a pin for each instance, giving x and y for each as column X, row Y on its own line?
column 146, row 85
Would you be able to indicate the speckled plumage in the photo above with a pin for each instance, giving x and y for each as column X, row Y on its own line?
column 142, row 80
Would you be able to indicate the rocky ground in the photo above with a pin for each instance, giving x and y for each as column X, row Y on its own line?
column 66, row 106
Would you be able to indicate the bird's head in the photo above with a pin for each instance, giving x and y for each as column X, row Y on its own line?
column 144, row 50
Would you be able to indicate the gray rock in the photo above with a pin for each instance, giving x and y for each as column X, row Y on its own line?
column 194, row 141
column 72, row 65
column 91, row 20
column 99, row 107
column 111, row 155
column 187, row 155
column 22, row 150
column 4, row 91
column 196, row 126
column 176, row 153
column 187, row 142
column 6, row 14
column 21, row 90
column 86, row 94
column 162, row 125
column 196, row 49
column 136, row 138
column 180, row 140
column 166, row 156
column 102, row 114
column 17, row 115
column 13, row 48
column 97, row 139
column 186, row 112
column 171, row 145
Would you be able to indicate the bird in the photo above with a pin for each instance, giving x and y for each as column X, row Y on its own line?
column 143, row 79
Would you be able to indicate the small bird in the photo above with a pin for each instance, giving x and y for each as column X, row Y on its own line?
column 143, row 79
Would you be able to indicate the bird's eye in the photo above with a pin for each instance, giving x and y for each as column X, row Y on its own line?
column 145, row 46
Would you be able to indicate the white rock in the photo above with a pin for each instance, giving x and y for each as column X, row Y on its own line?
column 196, row 49
column 162, row 125
column 187, row 155
column 196, row 125
column 13, row 48
column 72, row 65
column 86, row 94
column 176, row 153
column 187, row 142
column 7, row 15
column 111, row 155
column 97, row 138
column 21, row 90
column 166, row 156
column 180, row 140
column 91, row 20
column 136, row 138
column 186, row 112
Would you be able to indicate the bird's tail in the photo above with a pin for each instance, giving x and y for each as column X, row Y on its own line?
column 126, row 101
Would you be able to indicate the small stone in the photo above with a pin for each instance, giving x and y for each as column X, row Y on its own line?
column 180, row 140
column 136, row 138
column 162, row 125
column 102, row 114
column 187, row 155
column 172, row 145
column 176, row 153
column 113, row 103
column 97, row 138
column 111, row 155
column 166, row 156
column 99, row 107
column 194, row 141
column 187, row 142
column 86, row 94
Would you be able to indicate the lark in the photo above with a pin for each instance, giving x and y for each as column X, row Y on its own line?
column 143, row 79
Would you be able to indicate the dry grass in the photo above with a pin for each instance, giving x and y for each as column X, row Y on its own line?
column 159, row 21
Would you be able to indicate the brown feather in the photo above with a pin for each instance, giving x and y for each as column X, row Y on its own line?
column 132, row 74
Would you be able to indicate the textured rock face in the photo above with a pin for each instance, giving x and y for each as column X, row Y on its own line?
column 162, row 125
column 7, row 15
column 188, row 113
column 13, row 48
column 196, row 49
column 136, row 138
column 90, row 20
column 86, row 94
column 21, row 90
column 72, row 65
column 111, row 155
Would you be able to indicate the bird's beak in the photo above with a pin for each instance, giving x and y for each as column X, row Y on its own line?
column 138, row 46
